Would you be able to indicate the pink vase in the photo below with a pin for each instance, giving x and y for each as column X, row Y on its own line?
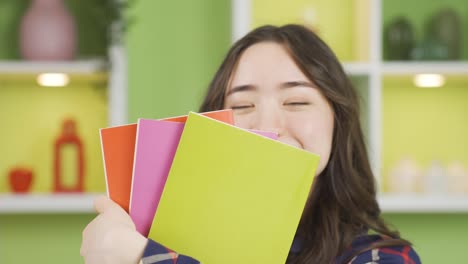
column 47, row 31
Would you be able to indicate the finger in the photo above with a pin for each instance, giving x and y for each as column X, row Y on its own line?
column 83, row 249
column 89, row 235
column 93, row 259
column 112, row 211
column 103, row 203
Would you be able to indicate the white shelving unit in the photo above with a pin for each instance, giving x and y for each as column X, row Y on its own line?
column 117, row 115
column 375, row 69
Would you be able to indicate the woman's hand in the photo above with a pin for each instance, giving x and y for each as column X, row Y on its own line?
column 111, row 237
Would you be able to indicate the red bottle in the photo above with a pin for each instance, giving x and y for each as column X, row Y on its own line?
column 68, row 137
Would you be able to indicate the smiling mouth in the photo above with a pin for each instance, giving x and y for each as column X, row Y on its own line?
column 290, row 142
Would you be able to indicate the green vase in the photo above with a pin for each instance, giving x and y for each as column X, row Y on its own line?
column 444, row 27
column 398, row 39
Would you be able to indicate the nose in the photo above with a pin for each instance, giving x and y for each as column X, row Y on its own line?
column 269, row 119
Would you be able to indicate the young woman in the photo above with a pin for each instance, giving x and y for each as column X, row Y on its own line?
column 287, row 80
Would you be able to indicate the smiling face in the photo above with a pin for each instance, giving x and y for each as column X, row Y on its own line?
column 269, row 92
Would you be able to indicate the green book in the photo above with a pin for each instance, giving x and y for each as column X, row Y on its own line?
column 232, row 196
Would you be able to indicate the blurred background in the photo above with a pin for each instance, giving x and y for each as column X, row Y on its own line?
column 70, row 67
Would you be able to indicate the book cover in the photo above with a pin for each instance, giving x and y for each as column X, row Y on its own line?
column 118, row 148
column 232, row 196
column 156, row 145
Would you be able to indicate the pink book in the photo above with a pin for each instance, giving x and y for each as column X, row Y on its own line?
column 156, row 144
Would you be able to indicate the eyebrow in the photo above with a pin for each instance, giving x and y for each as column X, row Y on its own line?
column 285, row 85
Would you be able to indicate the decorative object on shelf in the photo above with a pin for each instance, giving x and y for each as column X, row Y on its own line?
column 398, row 39
column 435, row 179
column 405, row 177
column 309, row 18
column 430, row 49
column 442, row 37
column 457, row 178
column 68, row 137
column 112, row 17
column 47, row 31
column 445, row 27
column 20, row 179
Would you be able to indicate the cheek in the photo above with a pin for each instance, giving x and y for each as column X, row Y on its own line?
column 243, row 121
column 315, row 137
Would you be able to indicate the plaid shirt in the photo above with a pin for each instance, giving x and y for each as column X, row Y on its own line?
column 385, row 255
column 157, row 254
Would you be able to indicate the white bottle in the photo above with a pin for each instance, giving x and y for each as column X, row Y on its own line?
column 457, row 178
column 404, row 177
column 435, row 179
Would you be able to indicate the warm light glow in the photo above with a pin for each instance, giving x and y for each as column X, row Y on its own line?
column 53, row 79
column 429, row 80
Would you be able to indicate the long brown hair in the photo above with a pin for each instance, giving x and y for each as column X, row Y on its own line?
column 343, row 202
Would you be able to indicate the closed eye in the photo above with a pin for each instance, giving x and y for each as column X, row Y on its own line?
column 298, row 103
column 237, row 107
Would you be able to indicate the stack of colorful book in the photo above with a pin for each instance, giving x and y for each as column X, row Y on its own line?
column 208, row 189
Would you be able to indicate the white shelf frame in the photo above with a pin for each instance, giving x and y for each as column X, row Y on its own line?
column 68, row 67
column 423, row 204
column 358, row 68
column 118, row 86
column 410, row 68
column 47, row 203
column 375, row 89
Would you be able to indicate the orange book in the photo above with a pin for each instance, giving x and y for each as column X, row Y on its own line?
column 118, row 151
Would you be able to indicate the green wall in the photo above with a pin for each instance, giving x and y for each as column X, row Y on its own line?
column 41, row 238
column 438, row 238
column 174, row 49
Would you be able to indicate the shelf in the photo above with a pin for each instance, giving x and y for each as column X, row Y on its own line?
column 406, row 68
column 357, row 68
column 423, row 204
column 79, row 71
column 47, row 203
column 70, row 67
column 83, row 203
